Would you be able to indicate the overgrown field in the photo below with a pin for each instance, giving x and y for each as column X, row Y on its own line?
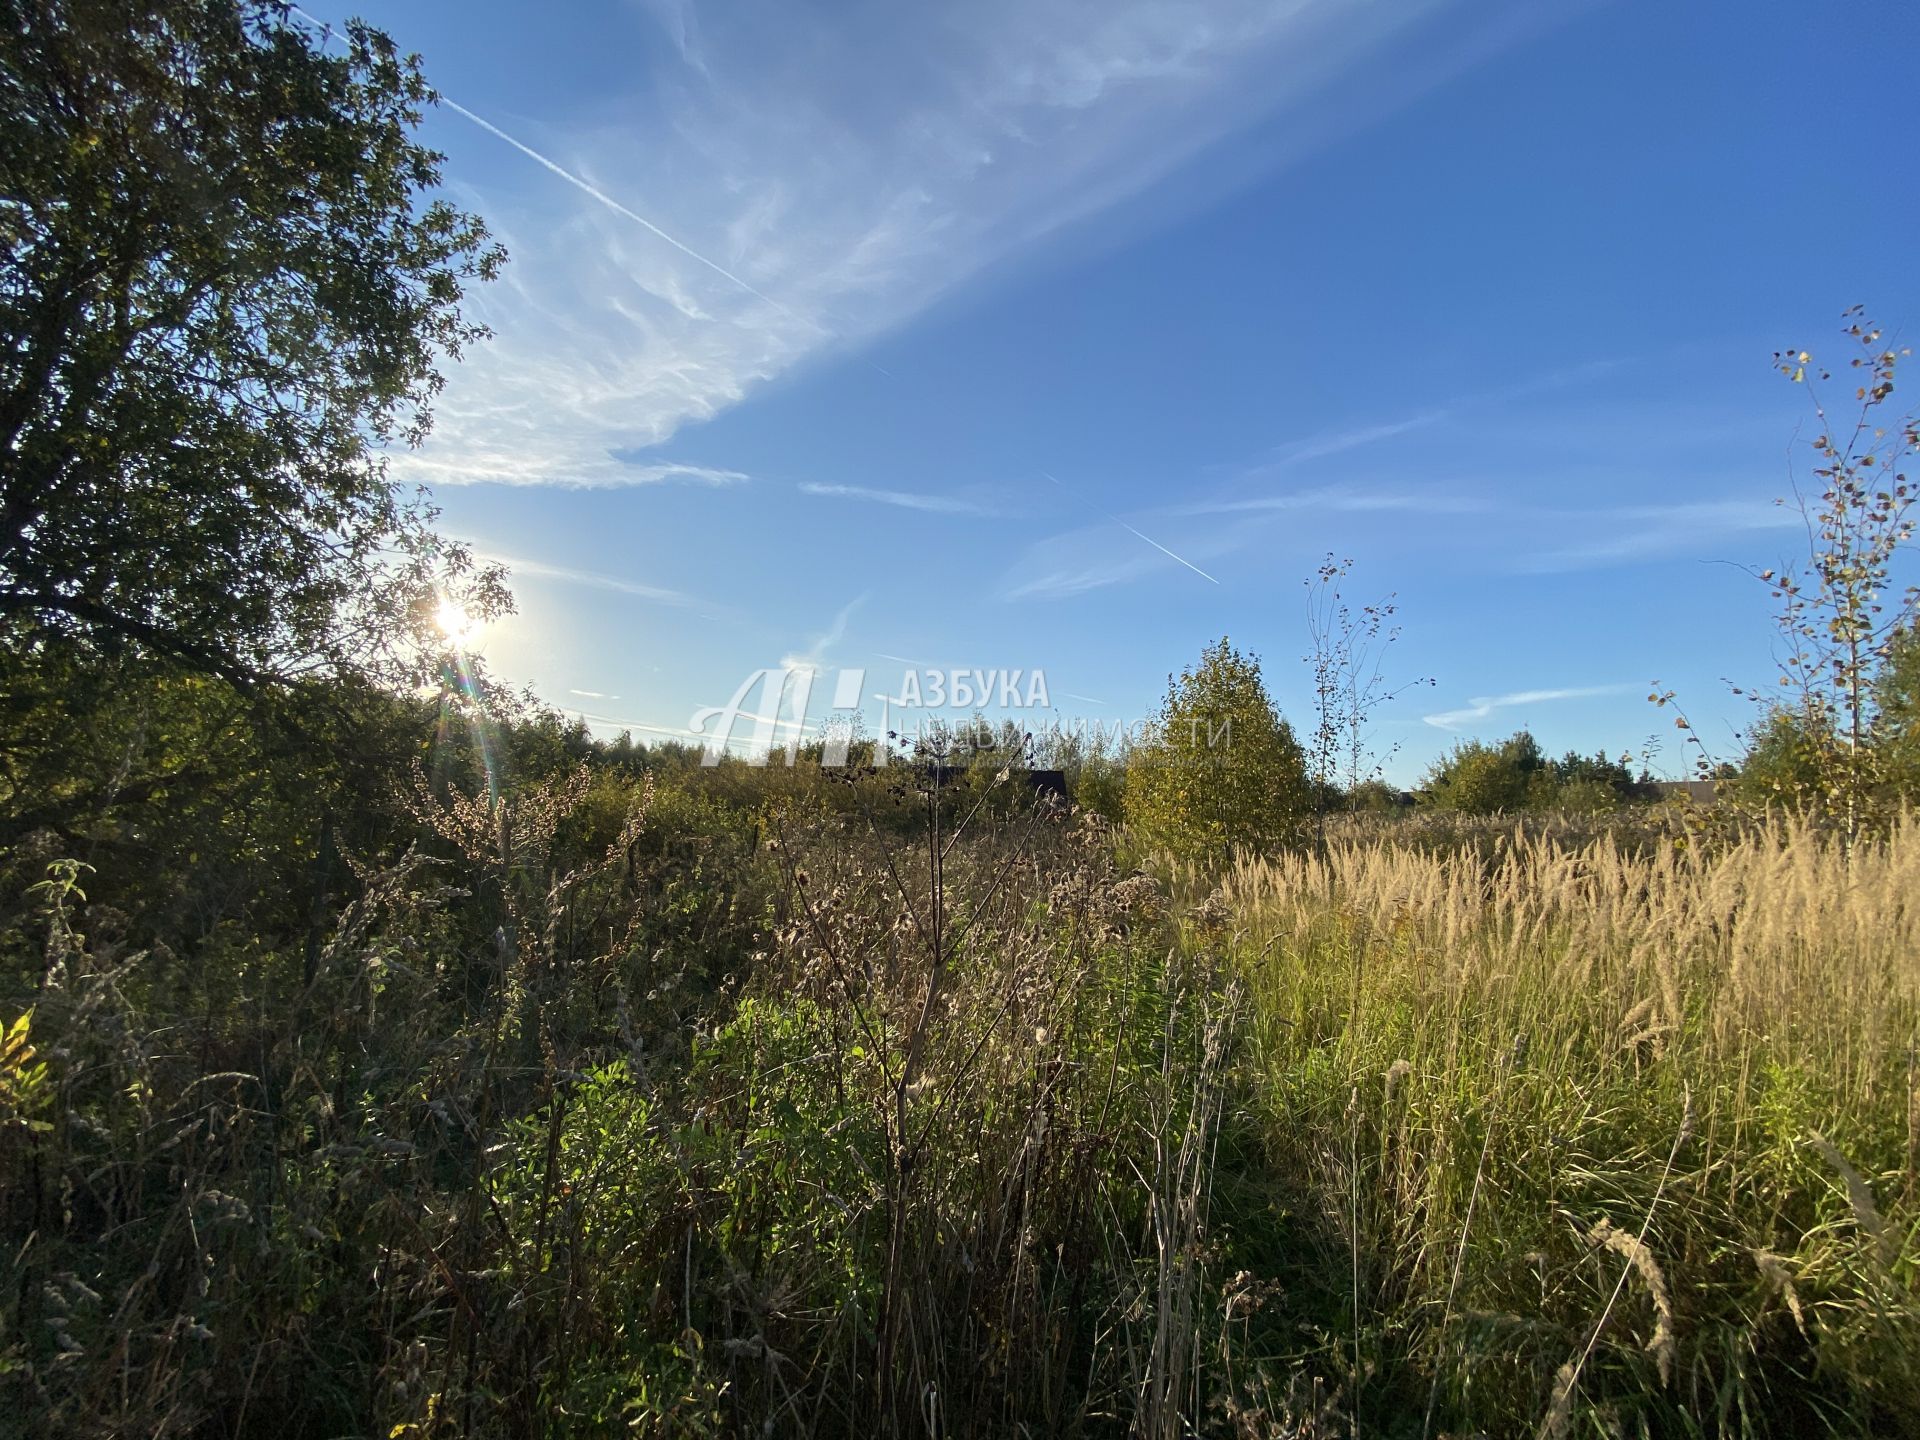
column 868, row 1112
column 384, row 1055
column 1582, row 1140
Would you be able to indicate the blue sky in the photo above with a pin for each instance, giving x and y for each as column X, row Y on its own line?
column 865, row 331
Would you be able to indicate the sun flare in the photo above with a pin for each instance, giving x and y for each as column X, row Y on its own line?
column 455, row 623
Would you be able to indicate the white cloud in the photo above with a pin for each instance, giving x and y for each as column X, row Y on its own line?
column 1093, row 557
column 1483, row 707
column 1063, row 584
column 518, row 565
column 1319, row 447
column 814, row 658
column 570, row 466
column 1337, row 442
column 1117, row 567
column 1357, row 499
column 902, row 499
column 776, row 187
column 1646, row 532
column 615, row 722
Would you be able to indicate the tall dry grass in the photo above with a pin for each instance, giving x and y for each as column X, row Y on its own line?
column 1578, row 1137
column 1547, row 1132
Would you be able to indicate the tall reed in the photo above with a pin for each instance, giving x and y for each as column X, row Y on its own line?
column 1523, row 1024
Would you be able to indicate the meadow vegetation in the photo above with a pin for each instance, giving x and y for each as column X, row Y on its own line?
column 570, row 1087
column 382, row 1054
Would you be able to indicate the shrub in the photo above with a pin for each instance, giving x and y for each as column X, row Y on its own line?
column 1222, row 771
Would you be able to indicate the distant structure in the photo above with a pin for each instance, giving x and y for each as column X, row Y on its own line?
column 1700, row 792
column 1042, row 782
column 1049, row 782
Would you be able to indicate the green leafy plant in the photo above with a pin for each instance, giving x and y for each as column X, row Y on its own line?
column 23, row 1079
column 1222, row 770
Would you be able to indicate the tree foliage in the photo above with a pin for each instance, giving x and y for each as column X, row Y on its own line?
column 1784, row 760
column 1795, row 750
column 1514, row 775
column 1896, row 721
column 1348, row 659
column 225, row 291
column 1481, row 779
column 1841, row 609
column 1222, row 770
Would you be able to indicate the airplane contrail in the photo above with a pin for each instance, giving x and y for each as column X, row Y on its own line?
column 1148, row 538
column 1163, row 549
column 588, row 188
column 619, row 209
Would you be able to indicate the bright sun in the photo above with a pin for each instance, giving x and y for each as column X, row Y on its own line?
column 454, row 622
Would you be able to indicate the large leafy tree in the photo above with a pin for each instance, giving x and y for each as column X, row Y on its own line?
column 1222, row 770
column 1484, row 779
column 226, row 290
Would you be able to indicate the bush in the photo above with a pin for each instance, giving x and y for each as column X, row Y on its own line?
column 1222, row 771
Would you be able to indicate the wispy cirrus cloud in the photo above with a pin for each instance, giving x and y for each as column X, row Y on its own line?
column 1256, row 516
column 1338, row 442
column 1088, row 558
column 1328, row 443
column 1483, row 707
column 1629, row 533
column 1085, row 560
column 900, row 499
column 1510, row 536
column 1349, row 499
column 592, row 579
column 570, row 468
column 814, row 656
column 775, row 187
column 672, row 732
column 1064, row 584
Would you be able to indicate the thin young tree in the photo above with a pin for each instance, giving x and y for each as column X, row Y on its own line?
column 1350, row 685
column 1842, row 609
column 1816, row 744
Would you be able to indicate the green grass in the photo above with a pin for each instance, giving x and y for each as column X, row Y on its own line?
column 565, row 1129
